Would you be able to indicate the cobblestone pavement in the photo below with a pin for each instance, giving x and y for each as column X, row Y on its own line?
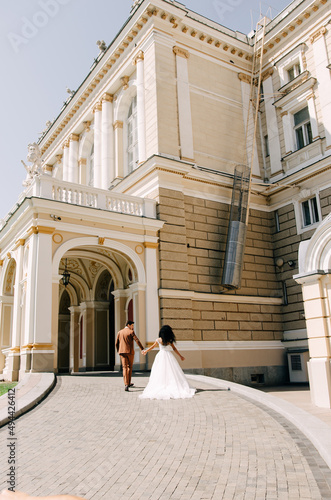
column 91, row 438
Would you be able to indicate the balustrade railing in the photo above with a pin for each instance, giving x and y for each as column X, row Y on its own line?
column 76, row 194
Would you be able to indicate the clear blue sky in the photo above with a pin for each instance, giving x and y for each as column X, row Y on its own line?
column 48, row 45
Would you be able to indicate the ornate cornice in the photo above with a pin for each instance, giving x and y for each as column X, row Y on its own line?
column 181, row 52
column 315, row 36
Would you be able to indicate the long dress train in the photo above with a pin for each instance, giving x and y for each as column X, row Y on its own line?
column 167, row 379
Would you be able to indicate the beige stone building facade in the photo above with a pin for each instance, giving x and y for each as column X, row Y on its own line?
column 130, row 190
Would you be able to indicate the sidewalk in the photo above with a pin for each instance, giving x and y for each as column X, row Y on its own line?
column 91, row 438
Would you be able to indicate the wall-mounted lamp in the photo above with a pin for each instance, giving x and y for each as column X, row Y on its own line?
column 280, row 262
column 65, row 275
column 55, row 217
column 291, row 263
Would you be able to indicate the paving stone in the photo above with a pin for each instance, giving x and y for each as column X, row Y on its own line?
column 92, row 439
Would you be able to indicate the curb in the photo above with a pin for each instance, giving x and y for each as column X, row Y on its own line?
column 317, row 431
column 41, row 384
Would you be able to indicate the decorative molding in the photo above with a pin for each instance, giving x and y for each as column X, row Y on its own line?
column 59, row 159
column 97, row 107
column 1, row 263
column 211, row 297
column 245, row 78
column 65, row 144
column 87, row 126
column 74, row 137
column 101, row 240
column 139, row 249
column 9, row 255
column 57, row 238
column 315, row 36
column 117, row 124
column 42, row 347
column 181, row 52
column 19, row 243
column 125, row 82
column 82, row 161
column 139, row 57
column 148, row 244
column 267, row 73
column 284, row 113
column 107, row 97
column 40, row 229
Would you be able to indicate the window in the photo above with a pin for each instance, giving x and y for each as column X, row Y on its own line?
column 310, row 213
column 293, row 71
column 266, row 146
column 132, row 136
column 296, row 364
column 302, row 128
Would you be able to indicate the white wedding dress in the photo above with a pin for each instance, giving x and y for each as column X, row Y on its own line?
column 167, row 379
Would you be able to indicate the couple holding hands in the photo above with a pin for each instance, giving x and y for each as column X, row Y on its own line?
column 167, row 379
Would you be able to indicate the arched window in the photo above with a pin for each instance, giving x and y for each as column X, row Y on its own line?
column 132, row 151
column 91, row 168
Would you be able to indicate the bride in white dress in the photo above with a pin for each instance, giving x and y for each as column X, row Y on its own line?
column 167, row 379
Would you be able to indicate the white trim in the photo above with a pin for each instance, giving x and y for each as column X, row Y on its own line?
column 210, row 297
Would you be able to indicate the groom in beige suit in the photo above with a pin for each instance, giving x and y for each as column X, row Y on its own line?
column 124, row 347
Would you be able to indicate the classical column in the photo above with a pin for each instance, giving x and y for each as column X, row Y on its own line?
column 321, row 62
column 65, row 160
column 74, row 338
column 152, row 298
column 184, row 105
column 245, row 83
column 42, row 354
column 118, row 128
column 73, row 159
column 315, row 296
column 272, row 126
column 97, row 145
column 121, row 297
column 107, row 155
column 141, row 123
column 139, row 313
column 12, row 372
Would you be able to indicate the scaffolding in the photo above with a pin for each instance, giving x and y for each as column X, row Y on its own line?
column 239, row 213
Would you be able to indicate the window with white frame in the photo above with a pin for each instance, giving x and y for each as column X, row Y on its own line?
column 132, row 136
column 293, row 71
column 302, row 128
column 310, row 213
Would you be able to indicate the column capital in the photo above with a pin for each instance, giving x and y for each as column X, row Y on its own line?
column 125, row 82
column 107, row 97
column 59, row 158
column 139, row 57
column 74, row 137
column 82, row 161
column 267, row 73
column 117, row 124
column 97, row 107
column 87, row 126
column 181, row 52
column 65, row 144
column 315, row 36
column 244, row 78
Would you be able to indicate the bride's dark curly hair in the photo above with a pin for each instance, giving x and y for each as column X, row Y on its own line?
column 167, row 335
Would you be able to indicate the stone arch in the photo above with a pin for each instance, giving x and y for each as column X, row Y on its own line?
column 111, row 244
column 124, row 100
column 315, row 253
column 96, row 292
